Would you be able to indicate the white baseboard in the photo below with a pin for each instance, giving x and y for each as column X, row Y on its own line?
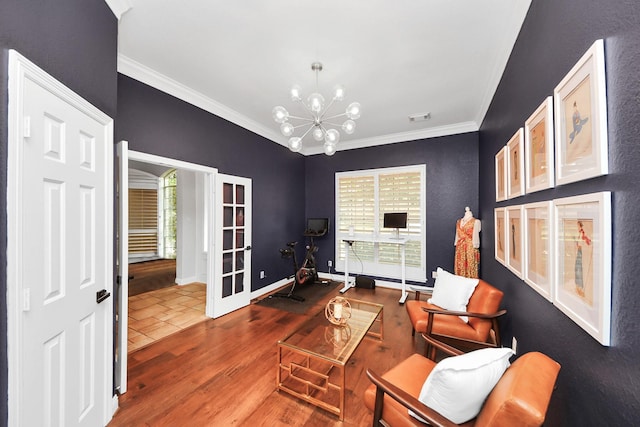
column 186, row 280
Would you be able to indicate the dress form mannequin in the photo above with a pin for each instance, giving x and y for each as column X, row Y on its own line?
column 467, row 242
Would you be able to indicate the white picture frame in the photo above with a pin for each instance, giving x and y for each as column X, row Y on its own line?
column 539, row 148
column 538, row 247
column 582, row 287
column 580, row 106
column 514, row 240
column 515, row 165
column 499, row 227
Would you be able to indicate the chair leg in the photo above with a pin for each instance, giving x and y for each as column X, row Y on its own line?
column 377, row 410
column 413, row 332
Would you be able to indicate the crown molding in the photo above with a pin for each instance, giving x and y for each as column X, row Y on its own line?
column 146, row 75
column 119, row 7
column 452, row 129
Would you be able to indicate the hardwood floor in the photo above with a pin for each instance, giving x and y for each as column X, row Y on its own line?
column 222, row 372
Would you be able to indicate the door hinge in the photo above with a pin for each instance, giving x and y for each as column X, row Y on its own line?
column 27, row 127
column 26, row 299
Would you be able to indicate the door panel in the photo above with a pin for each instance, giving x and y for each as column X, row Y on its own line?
column 64, row 258
column 233, row 239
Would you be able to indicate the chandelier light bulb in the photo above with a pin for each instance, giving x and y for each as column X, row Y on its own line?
column 318, row 134
column 287, row 129
column 280, row 114
column 349, row 127
column 295, row 144
column 353, row 111
column 295, row 93
column 338, row 93
column 329, row 149
column 316, row 102
column 332, row 136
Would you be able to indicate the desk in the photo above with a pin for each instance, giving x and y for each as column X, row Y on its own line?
column 401, row 242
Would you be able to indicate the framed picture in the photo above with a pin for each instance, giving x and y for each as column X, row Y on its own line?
column 538, row 247
column 514, row 240
column 538, row 148
column 501, row 175
column 583, row 262
column 515, row 165
column 500, row 251
column 581, row 119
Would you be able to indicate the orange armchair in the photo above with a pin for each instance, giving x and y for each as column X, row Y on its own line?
column 447, row 327
column 521, row 396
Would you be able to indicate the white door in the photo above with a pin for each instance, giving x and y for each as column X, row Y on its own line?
column 61, row 192
column 121, row 297
column 232, row 265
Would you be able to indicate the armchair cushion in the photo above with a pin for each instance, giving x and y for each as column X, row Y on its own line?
column 452, row 292
column 458, row 386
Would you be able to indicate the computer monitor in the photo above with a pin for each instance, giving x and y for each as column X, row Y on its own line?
column 317, row 226
column 395, row 220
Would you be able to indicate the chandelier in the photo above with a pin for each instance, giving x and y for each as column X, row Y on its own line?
column 318, row 123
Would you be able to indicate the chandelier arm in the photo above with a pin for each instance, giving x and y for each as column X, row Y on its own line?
column 308, row 130
column 336, row 116
column 326, row 110
column 332, row 124
column 307, row 119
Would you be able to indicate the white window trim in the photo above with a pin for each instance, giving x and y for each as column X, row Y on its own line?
column 372, row 268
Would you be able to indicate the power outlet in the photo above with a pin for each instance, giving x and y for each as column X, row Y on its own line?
column 514, row 345
column 434, row 274
column 262, row 275
column 330, row 263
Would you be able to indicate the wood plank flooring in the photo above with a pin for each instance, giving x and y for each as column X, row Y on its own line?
column 222, row 372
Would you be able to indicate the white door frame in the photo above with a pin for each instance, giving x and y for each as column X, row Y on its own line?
column 21, row 69
column 123, row 303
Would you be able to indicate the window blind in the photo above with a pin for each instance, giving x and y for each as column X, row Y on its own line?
column 143, row 221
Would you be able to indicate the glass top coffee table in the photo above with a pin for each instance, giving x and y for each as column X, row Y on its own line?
column 312, row 359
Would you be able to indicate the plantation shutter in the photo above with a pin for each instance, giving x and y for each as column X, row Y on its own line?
column 356, row 208
column 143, row 221
column 401, row 192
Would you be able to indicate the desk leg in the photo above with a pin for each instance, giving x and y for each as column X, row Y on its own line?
column 347, row 285
column 405, row 294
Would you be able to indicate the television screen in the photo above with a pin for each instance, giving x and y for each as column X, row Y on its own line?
column 395, row 220
column 317, row 225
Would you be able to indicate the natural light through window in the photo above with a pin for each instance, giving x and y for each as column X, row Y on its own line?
column 362, row 199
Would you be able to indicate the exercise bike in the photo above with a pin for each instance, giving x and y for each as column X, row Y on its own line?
column 303, row 274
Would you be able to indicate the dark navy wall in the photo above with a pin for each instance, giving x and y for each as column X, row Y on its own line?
column 156, row 123
column 76, row 42
column 597, row 385
column 451, row 184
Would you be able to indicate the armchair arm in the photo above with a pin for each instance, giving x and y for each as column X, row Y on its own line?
column 465, row 313
column 419, row 289
column 383, row 386
column 446, row 348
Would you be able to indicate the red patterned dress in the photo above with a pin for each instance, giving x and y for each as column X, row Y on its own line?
column 467, row 254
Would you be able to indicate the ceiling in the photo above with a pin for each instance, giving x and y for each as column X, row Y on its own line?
column 239, row 59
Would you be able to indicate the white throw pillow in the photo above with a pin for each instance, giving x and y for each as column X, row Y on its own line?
column 458, row 386
column 452, row 292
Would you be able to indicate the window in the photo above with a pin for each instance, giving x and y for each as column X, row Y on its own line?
column 143, row 214
column 168, row 213
column 362, row 199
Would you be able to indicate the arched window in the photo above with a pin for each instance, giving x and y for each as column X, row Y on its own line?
column 168, row 214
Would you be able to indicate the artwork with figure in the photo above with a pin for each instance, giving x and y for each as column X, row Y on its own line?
column 514, row 176
column 578, row 252
column 577, row 112
column 538, row 242
column 500, row 234
column 514, row 243
column 538, row 153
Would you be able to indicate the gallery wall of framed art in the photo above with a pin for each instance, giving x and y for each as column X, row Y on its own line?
column 561, row 247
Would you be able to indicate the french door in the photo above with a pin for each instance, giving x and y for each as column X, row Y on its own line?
column 232, row 240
